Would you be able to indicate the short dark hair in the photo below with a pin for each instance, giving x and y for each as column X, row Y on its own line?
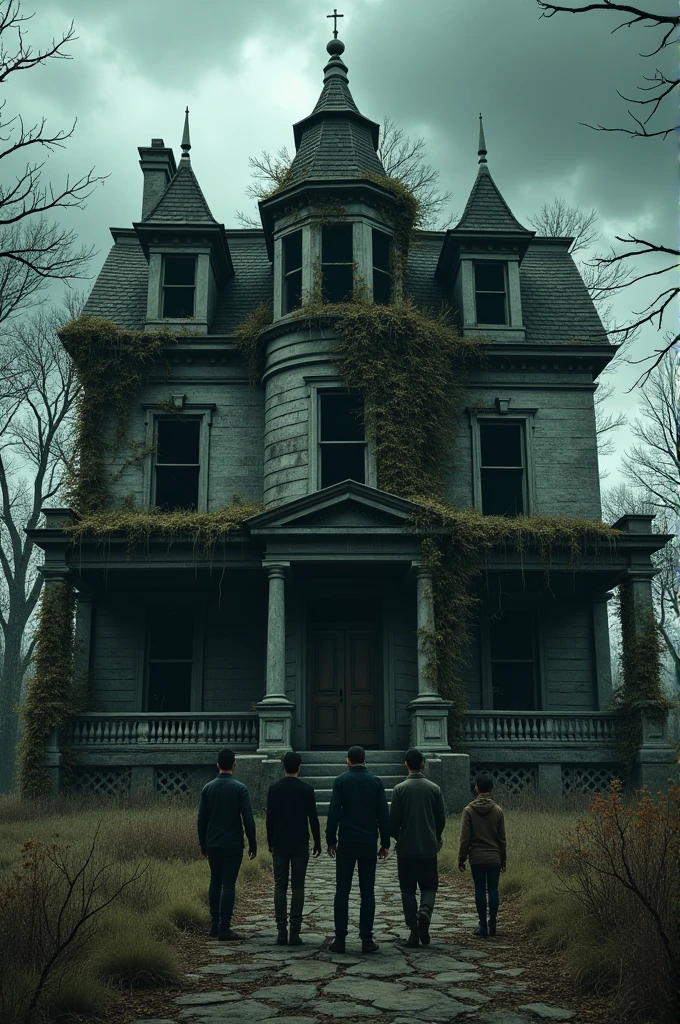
column 291, row 761
column 226, row 759
column 484, row 783
column 414, row 758
column 356, row 754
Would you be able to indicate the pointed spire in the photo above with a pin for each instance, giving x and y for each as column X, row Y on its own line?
column 481, row 152
column 186, row 142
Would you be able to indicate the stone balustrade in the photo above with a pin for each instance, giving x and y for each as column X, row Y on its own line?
column 536, row 727
column 97, row 730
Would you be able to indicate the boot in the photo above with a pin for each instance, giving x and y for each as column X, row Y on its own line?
column 214, row 930
column 337, row 945
column 424, row 927
column 282, row 935
column 492, row 926
column 228, row 936
column 414, row 937
column 368, row 945
column 294, row 939
column 481, row 930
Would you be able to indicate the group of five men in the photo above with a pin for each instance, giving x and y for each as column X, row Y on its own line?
column 359, row 829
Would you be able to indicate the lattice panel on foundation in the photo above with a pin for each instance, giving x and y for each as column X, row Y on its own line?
column 102, row 781
column 174, row 782
column 513, row 779
column 585, row 779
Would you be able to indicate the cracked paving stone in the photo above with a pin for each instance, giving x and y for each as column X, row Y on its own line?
column 367, row 990
column 510, row 972
column 517, row 986
column 502, row 1017
column 436, row 1005
column 297, row 992
column 338, row 1010
column 434, row 963
column 468, row 993
column 380, row 968
column 290, row 1020
column 309, row 971
column 243, row 1009
column 546, row 1012
column 206, row 998
column 454, row 977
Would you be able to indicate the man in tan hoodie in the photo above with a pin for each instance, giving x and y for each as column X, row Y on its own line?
column 482, row 840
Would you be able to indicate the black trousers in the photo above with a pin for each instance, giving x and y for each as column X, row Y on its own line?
column 417, row 873
column 365, row 860
column 290, row 865
column 224, row 868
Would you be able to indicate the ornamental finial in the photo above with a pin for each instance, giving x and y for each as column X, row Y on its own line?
column 186, row 141
column 481, row 152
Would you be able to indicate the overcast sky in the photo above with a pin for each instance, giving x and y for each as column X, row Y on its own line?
column 248, row 69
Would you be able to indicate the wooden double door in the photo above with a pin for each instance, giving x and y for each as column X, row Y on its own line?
column 344, row 674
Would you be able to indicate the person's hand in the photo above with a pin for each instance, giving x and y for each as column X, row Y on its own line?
column 331, row 850
column 252, row 855
column 316, row 852
column 503, row 868
column 461, row 865
column 383, row 853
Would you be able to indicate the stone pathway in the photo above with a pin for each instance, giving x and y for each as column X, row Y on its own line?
column 257, row 981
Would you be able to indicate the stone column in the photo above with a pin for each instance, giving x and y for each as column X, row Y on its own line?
column 275, row 710
column 429, row 712
column 83, row 634
column 603, row 666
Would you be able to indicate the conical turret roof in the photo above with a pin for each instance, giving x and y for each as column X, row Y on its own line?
column 486, row 210
column 183, row 201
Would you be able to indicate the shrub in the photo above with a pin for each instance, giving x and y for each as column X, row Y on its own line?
column 127, row 954
column 77, row 993
column 188, row 917
column 164, row 833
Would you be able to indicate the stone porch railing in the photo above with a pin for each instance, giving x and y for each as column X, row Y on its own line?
column 527, row 729
column 132, row 730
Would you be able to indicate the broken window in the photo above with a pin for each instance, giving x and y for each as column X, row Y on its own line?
column 337, row 262
column 170, row 657
column 490, row 297
column 179, row 286
column 342, row 436
column 502, row 468
column 178, row 443
column 513, row 662
column 382, row 278
column 292, row 272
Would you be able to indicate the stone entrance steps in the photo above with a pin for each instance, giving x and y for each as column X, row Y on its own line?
column 320, row 769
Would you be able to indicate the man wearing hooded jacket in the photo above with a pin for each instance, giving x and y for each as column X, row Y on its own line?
column 482, row 840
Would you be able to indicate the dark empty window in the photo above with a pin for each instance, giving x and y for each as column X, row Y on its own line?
column 170, row 660
column 502, row 468
column 292, row 271
column 179, row 286
column 382, row 279
column 337, row 262
column 513, row 662
column 177, row 462
column 342, row 438
column 490, row 293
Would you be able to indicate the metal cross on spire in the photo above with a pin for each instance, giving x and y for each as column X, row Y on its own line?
column 335, row 17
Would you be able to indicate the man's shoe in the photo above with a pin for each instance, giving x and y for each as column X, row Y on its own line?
column 424, row 928
column 228, row 936
column 214, row 931
column 413, row 939
column 480, row 931
column 369, row 946
column 294, row 939
column 337, row 945
column 492, row 926
column 282, row 937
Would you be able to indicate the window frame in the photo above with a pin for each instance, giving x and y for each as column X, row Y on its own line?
column 484, row 291
column 285, row 274
column 197, row 610
column 525, row 417
column 164, row 260
column 322, row 263
column 317, row 386
column 154, row 413
column 537, row 662
column 379, row 270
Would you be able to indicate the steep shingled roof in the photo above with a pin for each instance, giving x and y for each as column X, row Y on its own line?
column 486, row 210
column 183, row 201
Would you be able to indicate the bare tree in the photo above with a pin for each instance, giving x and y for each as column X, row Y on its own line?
column 657, row 92
column 33, row 248
column 402, row 157
column 35, row 433
column 654, row 462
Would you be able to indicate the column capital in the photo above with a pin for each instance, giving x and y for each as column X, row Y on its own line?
column 55, row 574
column 275, row 569
column 642, row 574
column 602, row 597
column 421, row 570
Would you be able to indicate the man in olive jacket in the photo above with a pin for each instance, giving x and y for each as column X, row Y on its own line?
column 417, row 820
column 482, row 839
column 359, row 807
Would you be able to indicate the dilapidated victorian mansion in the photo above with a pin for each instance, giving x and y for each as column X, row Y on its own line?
column 249, row 565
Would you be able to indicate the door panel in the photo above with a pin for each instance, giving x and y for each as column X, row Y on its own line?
column 344, row 672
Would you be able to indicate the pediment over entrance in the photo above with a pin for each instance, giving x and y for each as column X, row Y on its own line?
column 344, row 507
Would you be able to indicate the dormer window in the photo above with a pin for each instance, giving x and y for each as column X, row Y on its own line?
column 382, row 278
column 337, row 262
column 490, row 293
column 179, row 286
column 292, row 271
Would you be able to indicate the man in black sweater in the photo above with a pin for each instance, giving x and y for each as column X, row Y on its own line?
column 359, row 807
column 224, row 812
column 291, row 812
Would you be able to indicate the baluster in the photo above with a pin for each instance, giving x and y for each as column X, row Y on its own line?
column 534, row 728
column 200, row 732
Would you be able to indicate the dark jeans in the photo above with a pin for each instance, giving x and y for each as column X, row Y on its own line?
column 290, row 864
column 417, row 872
column 224, row 868
column 365, row 859
column 484, row 875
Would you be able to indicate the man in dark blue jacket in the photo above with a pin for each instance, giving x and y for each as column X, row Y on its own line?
column 224, row 812
column 359, row 807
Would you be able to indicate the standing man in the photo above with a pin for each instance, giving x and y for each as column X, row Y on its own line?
column 359, row 807
column 224, row 812
column 291, row 812
column 482, row 839
column 417, row 820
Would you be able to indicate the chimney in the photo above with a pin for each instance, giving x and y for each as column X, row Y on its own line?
column 158, row 166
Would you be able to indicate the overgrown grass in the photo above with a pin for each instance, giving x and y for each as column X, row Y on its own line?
column 132, row 943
